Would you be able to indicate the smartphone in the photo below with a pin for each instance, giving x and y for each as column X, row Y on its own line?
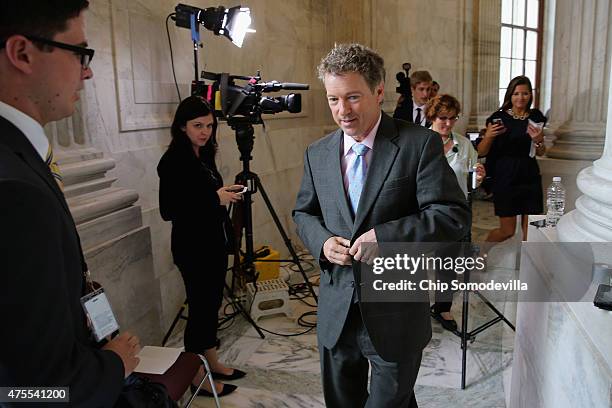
column 497, row 121
column 538, row 223
column 603, row 298
column 239, row 190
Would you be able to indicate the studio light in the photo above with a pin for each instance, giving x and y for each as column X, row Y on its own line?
column 232, row 23
column 237, row 22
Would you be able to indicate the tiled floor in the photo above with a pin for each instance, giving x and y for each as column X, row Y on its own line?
column 284, row 371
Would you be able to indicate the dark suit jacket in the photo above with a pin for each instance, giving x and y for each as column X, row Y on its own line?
column 404, row 110
column 45, row 340
column 410, row 195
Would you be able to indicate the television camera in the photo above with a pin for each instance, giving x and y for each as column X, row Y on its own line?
column 403, row 77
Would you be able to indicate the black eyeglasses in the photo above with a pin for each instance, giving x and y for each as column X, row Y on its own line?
column 86, row 54
column 451, row 118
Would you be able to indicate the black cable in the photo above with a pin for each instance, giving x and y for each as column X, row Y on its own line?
column 288, row 335
column 300, row 320
column 305, row 302
column 172, row 56
column 303, row 322
column 229, row 317
column 294, row 290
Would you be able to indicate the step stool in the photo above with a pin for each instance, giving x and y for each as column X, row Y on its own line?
column 272, row 297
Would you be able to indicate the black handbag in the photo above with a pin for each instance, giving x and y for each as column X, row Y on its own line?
column 139, row 392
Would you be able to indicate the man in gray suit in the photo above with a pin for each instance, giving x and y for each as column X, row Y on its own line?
column 375, row 179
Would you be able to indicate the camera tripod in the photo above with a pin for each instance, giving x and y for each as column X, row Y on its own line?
column 242, row 219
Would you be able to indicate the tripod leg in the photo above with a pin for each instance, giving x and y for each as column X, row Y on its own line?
column 464, row 335
column 494, row 309
column 288, row 244
column 179, row 315
column 236, row 303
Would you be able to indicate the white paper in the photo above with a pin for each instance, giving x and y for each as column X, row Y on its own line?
column 156, row 360
column 538, row 125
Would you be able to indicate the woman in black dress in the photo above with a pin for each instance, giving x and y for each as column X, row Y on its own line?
column 513, row 138
column 192, row 196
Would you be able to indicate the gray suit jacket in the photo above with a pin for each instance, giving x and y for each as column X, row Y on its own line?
column 410, row 195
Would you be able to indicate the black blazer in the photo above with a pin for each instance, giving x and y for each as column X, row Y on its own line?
column 188, row 197
column 45, row 340
column 410, row 195
column 404, row 109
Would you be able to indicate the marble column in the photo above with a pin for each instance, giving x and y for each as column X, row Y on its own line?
column 591, row 221
column 580, row 82
column 579, row 91
column 485, row 71
column 116, row 245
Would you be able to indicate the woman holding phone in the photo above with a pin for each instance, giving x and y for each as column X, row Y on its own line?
column 513, row 137
column 192, row 196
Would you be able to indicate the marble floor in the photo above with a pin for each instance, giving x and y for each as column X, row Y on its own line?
column 284, row 371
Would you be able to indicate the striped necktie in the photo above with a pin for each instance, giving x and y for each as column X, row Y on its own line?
column 357, row 175
column 54, row 168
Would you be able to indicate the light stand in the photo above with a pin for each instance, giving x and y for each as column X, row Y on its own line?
column 470, row 336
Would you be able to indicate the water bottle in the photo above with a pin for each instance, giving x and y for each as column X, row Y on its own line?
column 555, row 202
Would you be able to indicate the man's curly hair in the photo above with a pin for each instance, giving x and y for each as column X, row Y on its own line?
column 345, row 58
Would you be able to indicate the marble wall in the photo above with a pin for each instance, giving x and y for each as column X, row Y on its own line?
column 562, row 347
column 456, row 41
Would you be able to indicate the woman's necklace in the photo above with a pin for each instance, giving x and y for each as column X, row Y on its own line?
column 519, row 117
column 448, row 139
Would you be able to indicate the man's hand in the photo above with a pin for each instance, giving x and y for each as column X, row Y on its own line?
column 336, row 250
column 126, row 346
column 364, row 254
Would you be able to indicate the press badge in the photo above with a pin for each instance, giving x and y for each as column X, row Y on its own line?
column 98, row 310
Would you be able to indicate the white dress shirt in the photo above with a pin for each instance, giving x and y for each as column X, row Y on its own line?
column 31, row 128
column 414, row 113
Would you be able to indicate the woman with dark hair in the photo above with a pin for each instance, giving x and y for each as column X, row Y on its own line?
column 513, row 138
column 443, row 112
column 192, row 196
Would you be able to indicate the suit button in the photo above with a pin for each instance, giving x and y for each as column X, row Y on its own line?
column 352, row 284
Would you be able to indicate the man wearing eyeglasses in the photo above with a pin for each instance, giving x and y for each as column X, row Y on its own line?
column 44, row 61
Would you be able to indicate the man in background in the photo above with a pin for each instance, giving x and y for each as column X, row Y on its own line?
column 413, row 110
column 435, row 88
